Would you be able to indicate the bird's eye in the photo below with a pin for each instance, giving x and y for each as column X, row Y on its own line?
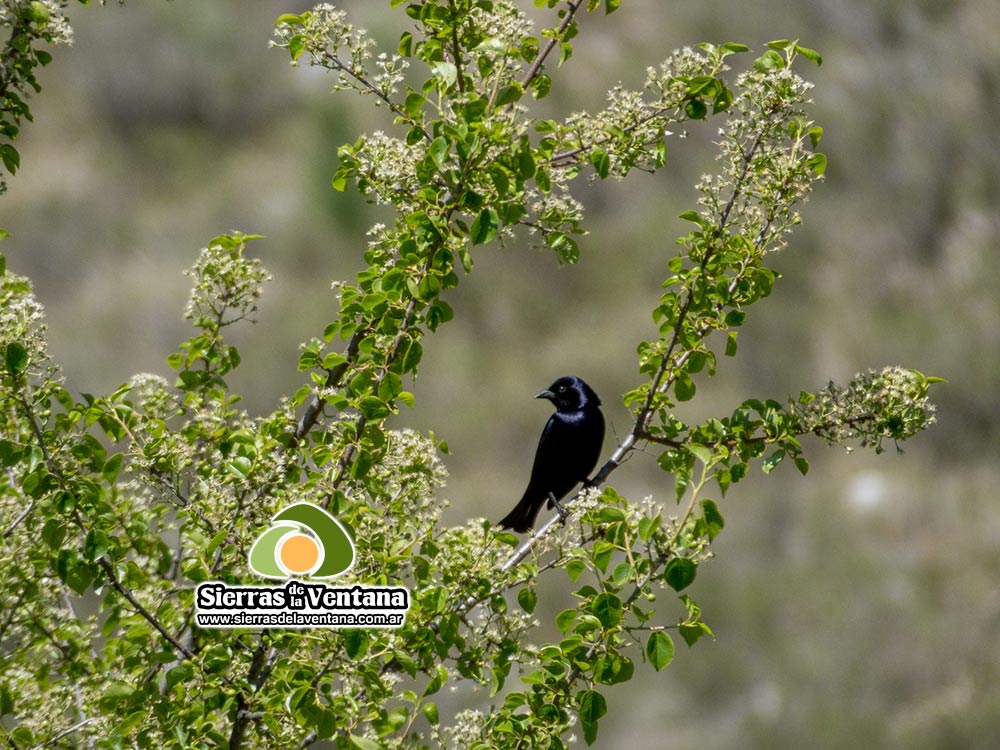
column 561, row 389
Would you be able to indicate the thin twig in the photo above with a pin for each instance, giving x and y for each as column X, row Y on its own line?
column 556, row 39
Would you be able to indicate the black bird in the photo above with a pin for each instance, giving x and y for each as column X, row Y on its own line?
column 567, row 451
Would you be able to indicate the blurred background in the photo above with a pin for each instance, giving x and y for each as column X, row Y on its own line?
column 859, row 605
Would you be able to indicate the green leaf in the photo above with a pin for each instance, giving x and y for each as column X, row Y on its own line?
column 296, row 46
column 363, row 743
column 373, row 408
column 809, row 54
column 622, row 573
column 405, row 46
column 713, row 518
column 439, row 150
column 53, row 533
column 702, row 452
column 430, row 710
column 527, row 598
column 608, row 609
column 540, row 86
column 735, row 318
column 817, row 163
column 509, row 95
column 16, row 358
column 684, row 388
column 731, row 344
column 11, row 159
column 695, row 109
column 574, row 568
column 769, row 62
column 772, row 461
column 445, row 72
column 485, row 227
column 112, row 467
column 592, row 708
column 437, row 681
column 659, row 650
column 414, row 103
column 680, row 573
column 601, row 161
column 565, row 620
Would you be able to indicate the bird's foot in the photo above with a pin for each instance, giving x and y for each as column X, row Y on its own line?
column 563, row 513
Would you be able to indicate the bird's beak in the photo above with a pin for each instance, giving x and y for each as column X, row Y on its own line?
column 546, row 394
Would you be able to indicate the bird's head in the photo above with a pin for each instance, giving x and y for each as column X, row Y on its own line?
column 570, row 394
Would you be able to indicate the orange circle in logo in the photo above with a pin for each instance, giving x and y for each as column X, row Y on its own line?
column 299, row 553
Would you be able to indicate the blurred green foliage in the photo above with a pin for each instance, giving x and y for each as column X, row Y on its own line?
column 859, row 608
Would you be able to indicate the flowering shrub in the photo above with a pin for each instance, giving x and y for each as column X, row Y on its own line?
column 122, row 504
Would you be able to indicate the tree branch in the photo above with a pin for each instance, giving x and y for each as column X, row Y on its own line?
column 336, row 63
column 536, row 66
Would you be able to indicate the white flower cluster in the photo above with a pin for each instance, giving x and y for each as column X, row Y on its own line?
column 154, row 399
column 21, row 317
column 331, row 41
column 466, row 729
column 55, row 28
column 226, row 286
column 504, row 26
column 387, row 170
column 766, row 171
column 891, row 403
column 629, row 128
column 391, row 73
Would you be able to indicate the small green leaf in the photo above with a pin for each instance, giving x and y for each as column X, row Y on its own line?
column 695, row 109
column 684, row 388
column 680, row 573
column 484, row 227
column 731, row 344
column 659, row 650
column 772, row 461
column 713, row 518
column 16, row 358
column 363, row 743
column 112, row 467
column 540, row 86
column 296, row 46
column 527, row 598
column 509, row 95
column 11, row 159
column 601, row 162
column 735, row 318
column 592, row 708
column 574, row 568
column 445, row 72
column 608, row 609
column 373, row 408
column 405, row 46
column 439, row 150
column 769, row 62
column 809, row 54
column 817, row 163
column 414, row 103
column 565, row 620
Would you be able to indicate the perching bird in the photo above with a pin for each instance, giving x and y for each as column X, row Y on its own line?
column 567, row 451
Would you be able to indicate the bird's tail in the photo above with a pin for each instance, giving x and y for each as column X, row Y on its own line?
column 522, row 518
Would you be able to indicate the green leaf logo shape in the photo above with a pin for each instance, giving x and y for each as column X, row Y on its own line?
column 302, row 540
